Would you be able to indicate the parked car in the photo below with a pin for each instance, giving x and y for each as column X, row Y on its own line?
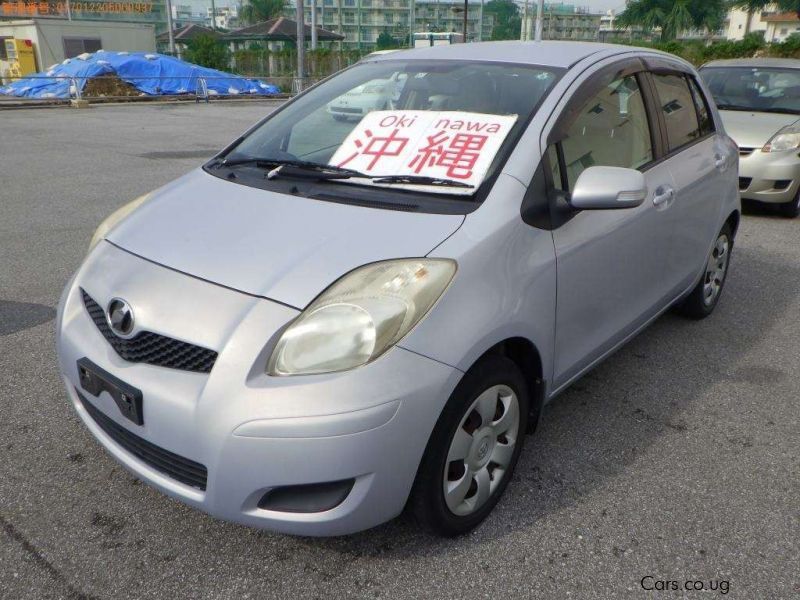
column 759, row 101
column 311, row 340
column 377, row 94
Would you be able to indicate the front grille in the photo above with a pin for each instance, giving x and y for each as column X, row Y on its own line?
column 744, row 151
column 344, row 109
column 177, row 467
column 152, row 348
column 744, row 183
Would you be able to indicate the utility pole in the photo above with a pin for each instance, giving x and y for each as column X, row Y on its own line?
column 466, row 8
column 480, row 23
column 213, row 16
column 313, row 24
column 524, row 33
column 169, row 28
column 412, row 21
column 301, row 43
column 539, row 10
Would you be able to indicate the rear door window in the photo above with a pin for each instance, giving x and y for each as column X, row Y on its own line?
column 678, row 108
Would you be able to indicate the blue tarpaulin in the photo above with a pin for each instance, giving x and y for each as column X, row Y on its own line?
column 152, row 74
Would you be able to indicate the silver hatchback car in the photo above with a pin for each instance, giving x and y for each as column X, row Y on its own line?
column 331, row 322
column 759, row 102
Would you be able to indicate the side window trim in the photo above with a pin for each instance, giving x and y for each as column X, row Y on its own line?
column 659, row 125
column 697, row 92
column 657, row 134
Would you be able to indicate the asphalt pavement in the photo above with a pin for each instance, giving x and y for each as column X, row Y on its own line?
column 675, row 460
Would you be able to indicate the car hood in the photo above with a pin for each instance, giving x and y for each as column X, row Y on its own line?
column 753, row 129
column 281, row 247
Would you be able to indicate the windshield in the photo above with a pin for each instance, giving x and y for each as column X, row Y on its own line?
column 754, row 88
column 439, row 127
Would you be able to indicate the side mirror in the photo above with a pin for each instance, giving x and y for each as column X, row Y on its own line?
column 600, row 188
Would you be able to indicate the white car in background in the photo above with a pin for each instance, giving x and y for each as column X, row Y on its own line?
column 378, row 94
column 759, row 101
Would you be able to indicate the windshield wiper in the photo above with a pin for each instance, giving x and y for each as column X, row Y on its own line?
column 301, row 168
column 312, row 170
column 275, row 163
column 420, row 180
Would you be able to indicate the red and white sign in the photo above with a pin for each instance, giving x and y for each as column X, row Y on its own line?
column 442, row 144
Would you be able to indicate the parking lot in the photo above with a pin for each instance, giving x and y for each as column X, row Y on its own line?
column 677, row 459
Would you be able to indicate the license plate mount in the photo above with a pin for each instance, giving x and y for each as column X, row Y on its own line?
column 127, row 398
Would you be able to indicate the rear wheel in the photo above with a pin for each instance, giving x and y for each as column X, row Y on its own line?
column 473, row 449
column 791, row 209
column 704, row 297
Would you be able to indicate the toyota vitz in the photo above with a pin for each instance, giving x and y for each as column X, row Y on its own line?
column 331, row 322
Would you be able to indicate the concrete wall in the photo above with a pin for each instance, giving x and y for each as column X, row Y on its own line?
column 778, row 31
column 737, row 23
column 48, row 36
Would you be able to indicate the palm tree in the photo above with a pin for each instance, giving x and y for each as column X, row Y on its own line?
column 674, row 16
column 679, row 19
column 256, row 11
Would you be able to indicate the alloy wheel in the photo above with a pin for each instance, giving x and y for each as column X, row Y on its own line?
column 715, row 270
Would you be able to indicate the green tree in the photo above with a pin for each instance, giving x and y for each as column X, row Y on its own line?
column 207, row 51
column 674, row 16
column 507, row 20
column 256, row 11
column 385, row 41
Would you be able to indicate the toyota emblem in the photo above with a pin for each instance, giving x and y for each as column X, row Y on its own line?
column 120, row 317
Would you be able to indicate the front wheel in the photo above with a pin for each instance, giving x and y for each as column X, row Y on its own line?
column 704, row 297
column 473, row 449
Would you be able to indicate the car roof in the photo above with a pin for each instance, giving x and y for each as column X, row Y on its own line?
column 790, row 63
column 549, row 53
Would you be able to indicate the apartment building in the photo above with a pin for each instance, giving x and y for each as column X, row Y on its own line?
column 223, row 17
column 561, row 21
column 362, row 21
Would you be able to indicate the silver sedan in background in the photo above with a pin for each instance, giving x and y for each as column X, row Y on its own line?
column 759, row 101
column 331, row 322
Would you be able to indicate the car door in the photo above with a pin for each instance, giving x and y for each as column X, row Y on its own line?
column 698, row 160
column 610, row 262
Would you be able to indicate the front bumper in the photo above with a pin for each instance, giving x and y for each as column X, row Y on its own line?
column 767, row 176
column 252, row 432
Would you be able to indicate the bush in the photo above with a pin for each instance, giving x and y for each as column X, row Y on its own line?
column 789, row 48
column 206, row 51
column 698, row 52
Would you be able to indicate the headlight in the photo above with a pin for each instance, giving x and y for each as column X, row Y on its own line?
column 361, row 316
column 114, row 218
column 787, row 138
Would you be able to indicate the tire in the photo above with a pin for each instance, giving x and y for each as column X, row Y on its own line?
column 790, row 210
column 703, row 299
column 484, row 480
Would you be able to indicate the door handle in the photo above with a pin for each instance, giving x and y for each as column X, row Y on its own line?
column 663, row 195
column 720, row 162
